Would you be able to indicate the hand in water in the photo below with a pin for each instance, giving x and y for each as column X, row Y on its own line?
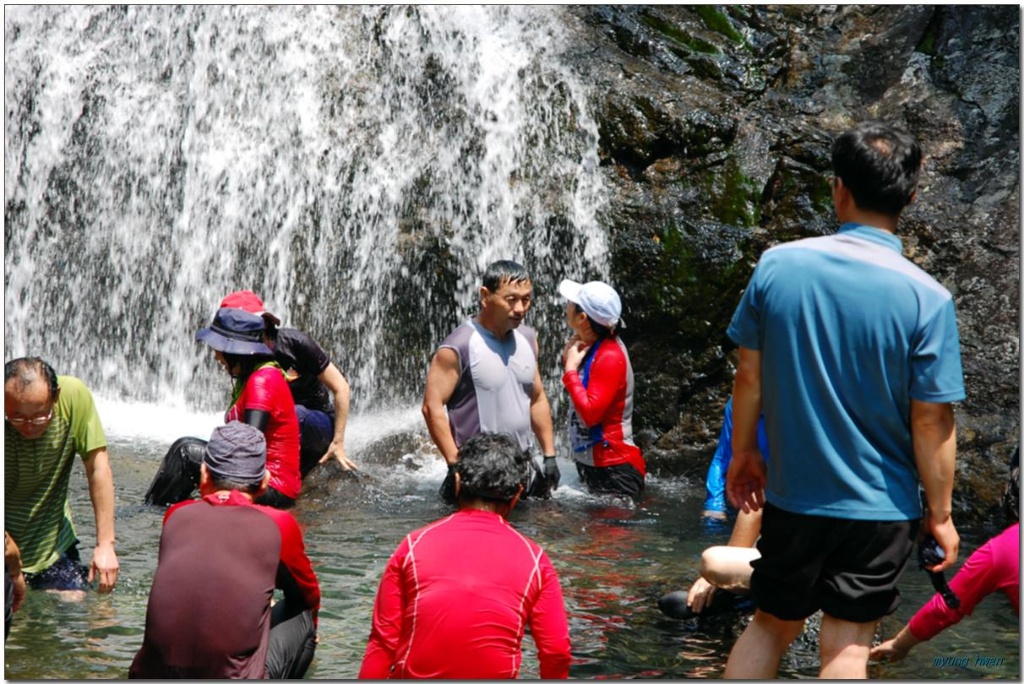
column 552, row 475
column 888, row 650
column 104, row 567
column 700, row 595
column 336, row 451
column 447, row 490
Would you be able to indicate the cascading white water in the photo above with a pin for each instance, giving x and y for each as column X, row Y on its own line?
column 357, row 166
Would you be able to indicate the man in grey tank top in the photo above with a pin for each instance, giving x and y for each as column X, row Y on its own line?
column 485, row 377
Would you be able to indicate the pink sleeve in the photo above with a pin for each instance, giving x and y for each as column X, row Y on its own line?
column 973, row 582
column 607, row 375
column 549, row 625
column 388, row 613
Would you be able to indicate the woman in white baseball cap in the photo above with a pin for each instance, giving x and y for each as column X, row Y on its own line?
column 599, row 379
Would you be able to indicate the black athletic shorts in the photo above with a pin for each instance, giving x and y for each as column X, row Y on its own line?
column 846, row 568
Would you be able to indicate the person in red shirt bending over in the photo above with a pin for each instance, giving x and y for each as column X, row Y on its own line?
column 599, row 379
column 260, row 397
column 458, row 594
column 221, row 558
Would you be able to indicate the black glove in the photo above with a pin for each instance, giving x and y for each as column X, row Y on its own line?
column 929, row 553
column 552, row 475
column 447, row 490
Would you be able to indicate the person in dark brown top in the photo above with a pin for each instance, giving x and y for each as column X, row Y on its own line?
column 221, row 558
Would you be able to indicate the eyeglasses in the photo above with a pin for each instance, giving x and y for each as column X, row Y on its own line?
column 38, row 420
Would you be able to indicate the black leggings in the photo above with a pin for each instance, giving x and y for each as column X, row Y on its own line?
column 178, row 477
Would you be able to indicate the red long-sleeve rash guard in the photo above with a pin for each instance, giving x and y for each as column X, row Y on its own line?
column 607, row 400
column 455, row 600
column 993, row 567
column 267, row 390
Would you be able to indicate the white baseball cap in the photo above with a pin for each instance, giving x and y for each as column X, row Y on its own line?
column 598, row 300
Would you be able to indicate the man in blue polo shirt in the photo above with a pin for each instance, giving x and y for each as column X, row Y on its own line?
column 852, row 352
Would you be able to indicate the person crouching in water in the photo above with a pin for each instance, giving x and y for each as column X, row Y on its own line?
column 599, row 379
column 457, row 595
column 221, row 558
column 260, row 397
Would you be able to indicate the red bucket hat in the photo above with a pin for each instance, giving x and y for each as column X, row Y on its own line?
column 247, row 300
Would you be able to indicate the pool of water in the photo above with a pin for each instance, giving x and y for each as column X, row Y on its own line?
column 614, row 562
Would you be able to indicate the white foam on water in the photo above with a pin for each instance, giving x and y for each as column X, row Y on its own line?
column 164, row 423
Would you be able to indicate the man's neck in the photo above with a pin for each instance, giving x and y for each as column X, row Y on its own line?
column 499, row 507
column 225, row 494
column 871, row 218
column 490, row 327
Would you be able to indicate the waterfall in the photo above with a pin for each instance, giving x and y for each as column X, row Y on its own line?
column 358, row 166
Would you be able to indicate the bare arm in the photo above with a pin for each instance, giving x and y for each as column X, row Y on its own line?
column 747, row 474
column 540, row 417
column 101, row 491
column 12, row 563
column 442, row 378
column 721, row 568
column 934, row 433
column 746, row 529
column 338, row 385
column 897, row 648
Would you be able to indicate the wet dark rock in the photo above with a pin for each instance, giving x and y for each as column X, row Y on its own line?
column 715, row 126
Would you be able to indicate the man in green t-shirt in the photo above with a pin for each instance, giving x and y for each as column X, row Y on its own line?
column 47, row 420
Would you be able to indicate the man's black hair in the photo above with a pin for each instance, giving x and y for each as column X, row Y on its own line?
column 501, row 272
column 879, row 164
column 27, row 370
column 492, row 466
column 252, row 489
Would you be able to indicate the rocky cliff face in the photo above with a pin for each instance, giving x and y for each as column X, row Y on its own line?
column 716, row 124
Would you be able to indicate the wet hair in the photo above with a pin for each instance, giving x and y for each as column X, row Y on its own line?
column 492, row 466
column 1011, row 495
column 879, row 164
column 501, row 272
column 27, row 370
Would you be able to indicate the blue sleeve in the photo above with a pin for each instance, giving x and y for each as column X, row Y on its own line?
column 762, row 438
column 937, row 374
column 719, row 468
column 745, row 327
